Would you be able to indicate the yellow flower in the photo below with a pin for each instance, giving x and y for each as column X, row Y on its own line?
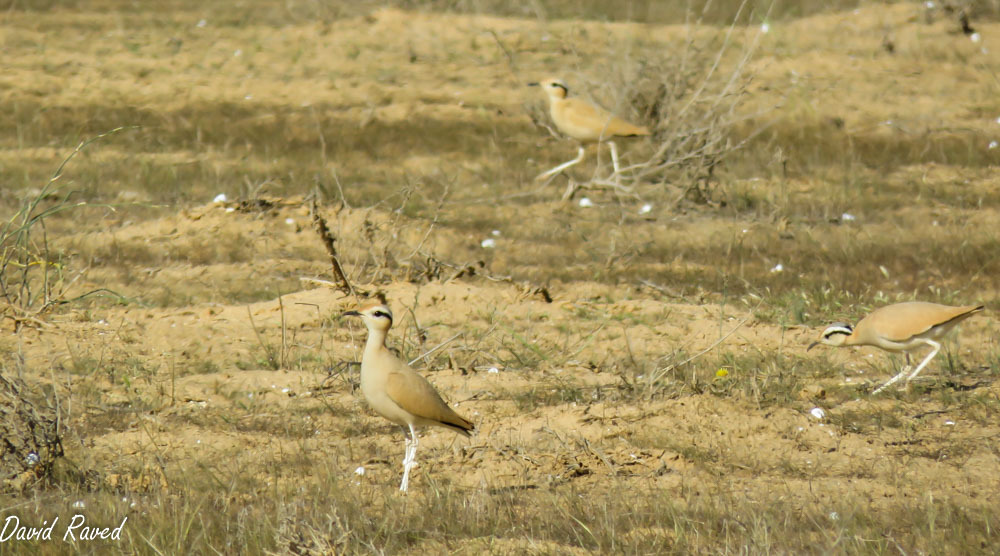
column 722, row 373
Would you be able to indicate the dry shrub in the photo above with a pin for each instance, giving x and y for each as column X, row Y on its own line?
column 30, row 442
column 692, row 97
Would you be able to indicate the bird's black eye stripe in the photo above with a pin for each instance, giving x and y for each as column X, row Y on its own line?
column 841, row 329
column 382, row 314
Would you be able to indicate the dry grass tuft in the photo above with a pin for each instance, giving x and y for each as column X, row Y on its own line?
column 32, row 436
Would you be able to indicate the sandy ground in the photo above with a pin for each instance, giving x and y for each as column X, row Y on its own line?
column 612, row 383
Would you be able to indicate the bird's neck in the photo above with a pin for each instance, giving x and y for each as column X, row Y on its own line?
column 375, row 342
column 853, row 340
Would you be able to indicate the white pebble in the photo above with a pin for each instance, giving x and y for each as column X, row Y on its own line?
column 360, row 470
column 646, row 209
column 765, row 27
column 488, row 243
column 777, row 268
column 496, row 233
column 847, row 217
column 950, row 423
column 586, row 202
column 220, row 198
column 290, row 221
column 818, row 412
column 493, row 370
column 975, row 37
column 993, row 145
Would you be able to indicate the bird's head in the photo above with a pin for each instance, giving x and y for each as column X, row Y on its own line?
column 554, row 88
column 834, row 335
column 376, row 316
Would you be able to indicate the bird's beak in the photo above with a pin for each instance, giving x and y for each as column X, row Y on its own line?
column 351, row 314
column 532, row 84
column 812, row 345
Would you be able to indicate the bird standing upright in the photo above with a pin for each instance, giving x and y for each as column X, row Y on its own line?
column 901, row 327
column 395, row 391
column 584, row 122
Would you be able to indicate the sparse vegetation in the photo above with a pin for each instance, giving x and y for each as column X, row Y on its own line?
column 636, row 368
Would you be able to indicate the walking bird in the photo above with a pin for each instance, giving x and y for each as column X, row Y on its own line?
column 584, row 122
column 395, row 391
column 901, row 327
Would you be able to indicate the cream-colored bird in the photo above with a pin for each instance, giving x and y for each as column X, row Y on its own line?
column 584, row 122
column 901, row 327
column 397, row 392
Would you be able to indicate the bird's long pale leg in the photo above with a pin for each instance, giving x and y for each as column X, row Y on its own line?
column 563, row 166
column 614, row 157
column 406, row 460
column 409, row 459
column 920, row 367
column 893, row 380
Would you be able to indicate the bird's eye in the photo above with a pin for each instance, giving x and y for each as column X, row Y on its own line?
column 381, row 314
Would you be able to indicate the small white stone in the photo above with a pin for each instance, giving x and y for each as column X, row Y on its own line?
column 290, row 221
column 220, row 198
column 848, row 217
column 286, row 390
column 201, row 23
column 79, row 504
column 765, row 27
column 495, row 233
column 975, row 37
column 646, row 209
column 929, row 5
column 950, row 423
column 993, row 145
column 360, row 470
column 586, row 202
column 230, row 209
column 248, row 97
column 493, row 370
column 777, row 268
column 488, row 243
column 818, row 412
